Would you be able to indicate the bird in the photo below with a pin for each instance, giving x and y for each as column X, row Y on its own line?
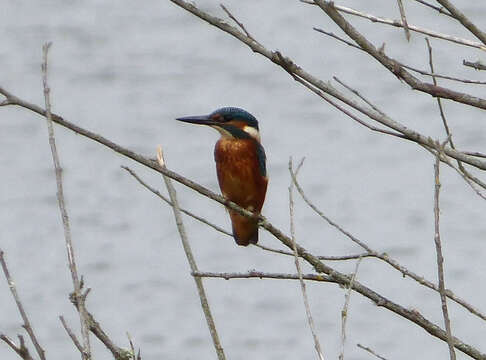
column 240, row 166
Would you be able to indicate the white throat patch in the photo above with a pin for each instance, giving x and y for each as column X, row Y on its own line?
column 252, row 132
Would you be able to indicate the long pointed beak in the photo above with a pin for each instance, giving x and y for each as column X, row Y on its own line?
column 198, row 120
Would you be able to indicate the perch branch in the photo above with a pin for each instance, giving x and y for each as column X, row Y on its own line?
column 342, row 279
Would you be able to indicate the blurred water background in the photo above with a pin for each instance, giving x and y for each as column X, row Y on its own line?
column 126, row 70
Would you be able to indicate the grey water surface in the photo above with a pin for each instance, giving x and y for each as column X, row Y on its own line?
column 126, row 70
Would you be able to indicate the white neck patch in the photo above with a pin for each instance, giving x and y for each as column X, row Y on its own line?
column 252, row 132
column 223, row 132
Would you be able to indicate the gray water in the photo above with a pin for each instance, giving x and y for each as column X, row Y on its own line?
column 126, row 70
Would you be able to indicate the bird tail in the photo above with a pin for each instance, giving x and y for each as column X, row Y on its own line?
column 245, row 230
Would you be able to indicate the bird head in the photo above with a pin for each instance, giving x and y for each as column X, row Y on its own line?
column 230, row 122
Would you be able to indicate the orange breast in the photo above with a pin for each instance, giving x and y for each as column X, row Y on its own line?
column 241, row 181
column 239, row 175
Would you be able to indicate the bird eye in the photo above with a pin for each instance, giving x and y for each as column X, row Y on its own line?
column 218, row 118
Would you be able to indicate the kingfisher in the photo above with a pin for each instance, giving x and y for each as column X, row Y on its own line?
column 240, row 166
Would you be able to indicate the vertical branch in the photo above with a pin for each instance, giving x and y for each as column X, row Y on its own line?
column 22, row 349
column 79, row 296
column 440, row 259
column 404, row 19
column 344, row 311
column 310, row 320
column 190, row 258
column 467, row 175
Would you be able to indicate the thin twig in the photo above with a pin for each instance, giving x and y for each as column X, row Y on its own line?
column 190, row 259
column 135, row 355
column 27, row 326
column 344, row 311
column 440, row 259
column 398, row 23
column 308, row 312
column 462, row 169
column 320, row 257
column 371, row 351
column 464, row 20
column 385, row 257
column 242, row 27
column 187, row 212
column 262, row 275
column 62, row 207
column 423, row 72
column 440, row 10
column 21, row 350
column 478, row 65
column 404, row 19
column 358, row 94
column 71, row 334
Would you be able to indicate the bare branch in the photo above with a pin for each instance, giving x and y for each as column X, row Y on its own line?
column 344, row 311
column 404, row 19
column 440, row 10
column 371, row 351
column 478, row 65
column 440, row 259
column 27, row 326
column 398, row 23
column 385, row 257
column 263, row 275
column 62, row 208
column 187, row 212
column 308, row 312
column 21, row 350
column 423, row 72
column 95, row 328
column 71, row 335
column 342, row 279
column 242, row 27
column 462, row 170
column 190, row 259
column 464, row 20
column 331, row 10
column 296, row 71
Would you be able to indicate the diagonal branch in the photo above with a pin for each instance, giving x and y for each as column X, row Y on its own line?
column 342, row 279
column 464, row 20
column 394, row 67
column 397, row 23
column 22, row 349
column 191, row 260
